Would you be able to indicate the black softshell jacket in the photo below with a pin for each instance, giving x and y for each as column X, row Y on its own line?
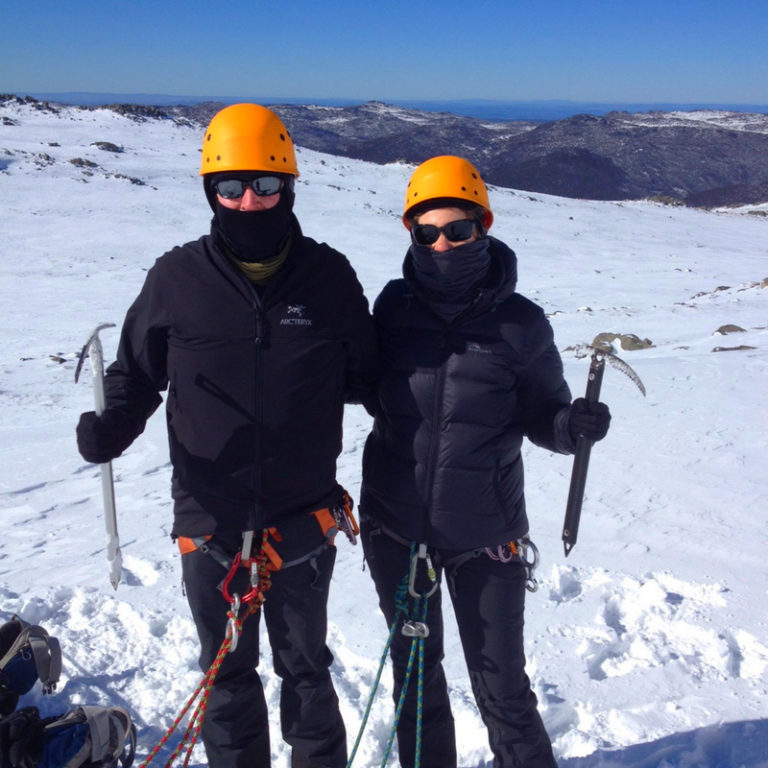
column 443, row 465
column 256, row 384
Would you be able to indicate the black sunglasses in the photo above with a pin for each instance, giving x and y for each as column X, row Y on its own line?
column 263, row 186
column 454, row 231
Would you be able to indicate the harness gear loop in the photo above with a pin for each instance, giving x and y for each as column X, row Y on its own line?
column 524, row 544
column 344, row 519
column 518, row 550
column 422, row 554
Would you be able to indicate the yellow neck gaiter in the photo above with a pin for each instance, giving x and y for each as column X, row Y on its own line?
column 260, row 271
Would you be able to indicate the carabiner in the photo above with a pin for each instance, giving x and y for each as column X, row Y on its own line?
column 523, row 545
column 422, row 554
column 233, row 630
column 228, row 578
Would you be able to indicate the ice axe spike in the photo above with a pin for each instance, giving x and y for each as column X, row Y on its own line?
column 93, row 349
column 584, row 445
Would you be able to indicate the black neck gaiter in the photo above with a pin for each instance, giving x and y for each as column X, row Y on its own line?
column 450, row 276
column 254, row 236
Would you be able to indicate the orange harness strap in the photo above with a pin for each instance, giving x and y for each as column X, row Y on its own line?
column 328, row 524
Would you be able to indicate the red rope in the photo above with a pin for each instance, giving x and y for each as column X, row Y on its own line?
column 189, row 739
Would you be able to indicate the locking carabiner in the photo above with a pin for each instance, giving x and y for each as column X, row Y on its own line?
column 422, row 554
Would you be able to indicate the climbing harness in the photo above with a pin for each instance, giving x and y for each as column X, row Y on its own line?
column 253, row 600
column 518, row 550
column 412, row 605
column 330, row 520
column 320, row 525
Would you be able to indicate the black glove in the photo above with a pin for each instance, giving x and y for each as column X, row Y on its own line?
column 103, row 438
column 589, row 419
column 21, row 739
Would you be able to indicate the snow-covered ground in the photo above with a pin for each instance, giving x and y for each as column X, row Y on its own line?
column 750, row 122
column 648, row 646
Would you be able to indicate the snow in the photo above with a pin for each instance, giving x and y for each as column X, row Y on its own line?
column 749, row 122
column 648, row 646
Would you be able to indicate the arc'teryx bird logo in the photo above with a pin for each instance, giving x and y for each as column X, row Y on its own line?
column 294, row 315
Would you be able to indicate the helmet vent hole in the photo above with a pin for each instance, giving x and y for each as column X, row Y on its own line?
column 282, row 138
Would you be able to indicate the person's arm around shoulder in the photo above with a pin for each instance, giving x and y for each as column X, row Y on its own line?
column 360, row 340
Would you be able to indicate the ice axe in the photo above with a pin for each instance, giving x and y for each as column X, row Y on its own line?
column 92, row 348
column 584, row 444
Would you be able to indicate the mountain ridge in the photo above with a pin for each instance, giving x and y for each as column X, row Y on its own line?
column 700, row 158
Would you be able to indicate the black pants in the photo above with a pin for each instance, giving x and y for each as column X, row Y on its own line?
column 489, row 601
column 236, row 727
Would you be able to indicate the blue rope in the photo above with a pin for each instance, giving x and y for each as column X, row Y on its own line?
column 402, row 601
column 400, row 606
column 420, row 689
column 401, row 701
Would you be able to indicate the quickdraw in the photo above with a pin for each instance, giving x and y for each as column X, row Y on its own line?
column 518, row 550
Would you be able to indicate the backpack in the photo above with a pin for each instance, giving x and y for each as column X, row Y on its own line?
column 89, row 737
column 27, row 654
column 85, row 737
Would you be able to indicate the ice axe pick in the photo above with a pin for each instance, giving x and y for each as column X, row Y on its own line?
column 93, row 349
column 599, row 357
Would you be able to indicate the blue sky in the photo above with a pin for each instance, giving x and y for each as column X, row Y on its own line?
column 681, row 51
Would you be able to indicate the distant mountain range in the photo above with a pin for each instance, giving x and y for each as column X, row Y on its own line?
column 538, row 110
column 703, row 158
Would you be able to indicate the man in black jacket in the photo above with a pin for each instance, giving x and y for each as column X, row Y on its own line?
column 260, row 335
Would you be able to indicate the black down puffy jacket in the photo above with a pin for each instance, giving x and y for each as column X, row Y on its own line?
column 442, row 465
column 256, row 383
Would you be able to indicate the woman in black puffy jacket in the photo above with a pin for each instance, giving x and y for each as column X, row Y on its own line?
column 469, row 368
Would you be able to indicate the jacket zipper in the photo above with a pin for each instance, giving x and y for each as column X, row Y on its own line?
column 258, row 405
column 434, row 444
column 254, row 520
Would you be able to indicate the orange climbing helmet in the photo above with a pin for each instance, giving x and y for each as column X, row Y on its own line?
column 446, row 176
column 247, row 137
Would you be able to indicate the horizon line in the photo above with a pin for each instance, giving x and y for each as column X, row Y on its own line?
column 393, row 100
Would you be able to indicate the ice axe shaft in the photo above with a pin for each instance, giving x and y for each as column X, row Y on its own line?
column 93, row 349
column 581, row 462
column 583, row 444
